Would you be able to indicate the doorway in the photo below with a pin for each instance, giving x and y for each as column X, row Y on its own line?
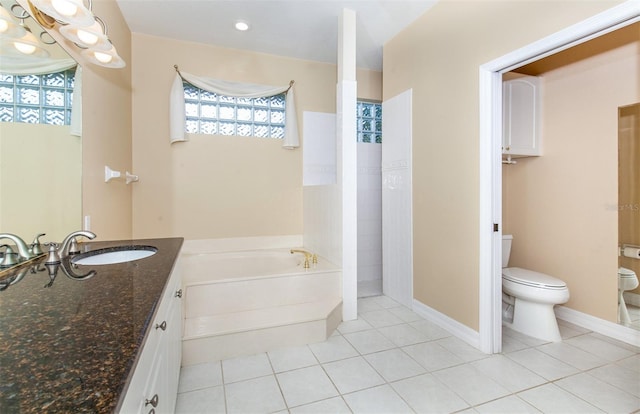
column 629, row 213
column 490, row 154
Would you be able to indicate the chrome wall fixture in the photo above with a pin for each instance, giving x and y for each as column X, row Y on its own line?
column 73, row 20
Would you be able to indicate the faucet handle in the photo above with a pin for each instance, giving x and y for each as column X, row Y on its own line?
column 36, row 247
column 53, row 257
column 73, row 246
column 10, row 258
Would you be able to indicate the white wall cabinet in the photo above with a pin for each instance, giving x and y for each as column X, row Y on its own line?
column 154, row 385
column 521, row 117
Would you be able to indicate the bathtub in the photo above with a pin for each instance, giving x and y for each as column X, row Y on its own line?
column 203, row 268
column 251, row 301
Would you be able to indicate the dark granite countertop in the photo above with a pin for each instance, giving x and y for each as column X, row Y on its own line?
column 67, row 344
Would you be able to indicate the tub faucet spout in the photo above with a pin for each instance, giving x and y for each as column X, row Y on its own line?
column 308, row 256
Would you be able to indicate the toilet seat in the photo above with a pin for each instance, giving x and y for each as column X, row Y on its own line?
column 625, row 273
column 534, row 279
column 627, row 279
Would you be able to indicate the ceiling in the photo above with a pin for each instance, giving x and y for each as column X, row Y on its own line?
column 304, row 29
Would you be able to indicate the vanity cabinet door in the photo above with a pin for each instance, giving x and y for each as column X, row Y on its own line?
column 173, row 338
column 521, row 117
column 154, row 385
column 143, row 384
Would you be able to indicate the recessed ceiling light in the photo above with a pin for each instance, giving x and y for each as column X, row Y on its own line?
column 242, row 26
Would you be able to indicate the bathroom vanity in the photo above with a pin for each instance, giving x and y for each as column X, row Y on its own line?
column 92, row 338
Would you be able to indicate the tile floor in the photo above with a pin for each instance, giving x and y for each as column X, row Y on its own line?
column 390, row 360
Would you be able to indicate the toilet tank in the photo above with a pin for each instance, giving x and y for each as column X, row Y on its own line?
column 506, row 249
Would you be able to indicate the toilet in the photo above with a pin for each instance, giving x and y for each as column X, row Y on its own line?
column 627, row 280
column 529, row 298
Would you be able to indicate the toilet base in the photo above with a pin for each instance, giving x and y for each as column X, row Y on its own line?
column 537, row 320
column 623, row 313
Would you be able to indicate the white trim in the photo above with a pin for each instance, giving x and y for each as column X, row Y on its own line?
column 450, row 325
column 205, row 246
column 490, row 125
column 601, row 326
column 612, row 19
column 490, row 257
column 347, row 93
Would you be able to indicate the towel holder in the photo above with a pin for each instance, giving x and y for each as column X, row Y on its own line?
column 110, row 174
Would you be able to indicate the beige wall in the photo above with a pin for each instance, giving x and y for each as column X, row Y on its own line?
column 217, row 186
column 562, row 207
column 439, row 56
column 40, row 177
column 106, row 136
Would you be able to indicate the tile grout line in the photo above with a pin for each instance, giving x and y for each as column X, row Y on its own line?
column 526, row 346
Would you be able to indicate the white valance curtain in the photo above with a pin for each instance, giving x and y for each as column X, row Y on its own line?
column 228, row 88
column 20, row 66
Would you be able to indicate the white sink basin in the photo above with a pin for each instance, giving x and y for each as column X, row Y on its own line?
column 113, row 255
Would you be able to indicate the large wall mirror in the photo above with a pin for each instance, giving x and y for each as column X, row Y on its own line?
column 40, row 164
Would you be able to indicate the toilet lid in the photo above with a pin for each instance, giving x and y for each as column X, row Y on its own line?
column 624, row 272
column 531, row 278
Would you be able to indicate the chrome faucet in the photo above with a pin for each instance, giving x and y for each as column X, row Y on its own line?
column 23, row 249
column 69, row 246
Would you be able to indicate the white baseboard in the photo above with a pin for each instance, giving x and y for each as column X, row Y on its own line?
column 450, row 325
column 610, row 329
column 463, row 332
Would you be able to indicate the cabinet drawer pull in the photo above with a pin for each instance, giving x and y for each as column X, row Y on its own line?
column 162, row 326
column 179, row 293
column 153, row 401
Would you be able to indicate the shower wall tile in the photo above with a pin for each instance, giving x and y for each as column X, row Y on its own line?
column 369, row 212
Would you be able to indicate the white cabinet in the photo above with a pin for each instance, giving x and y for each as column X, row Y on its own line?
column 154, row 385
column 521, row 117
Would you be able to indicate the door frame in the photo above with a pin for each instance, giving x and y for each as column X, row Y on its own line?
column 490, row 275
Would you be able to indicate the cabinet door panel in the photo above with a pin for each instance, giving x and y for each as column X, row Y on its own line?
column 521, row 117
column 154, row 384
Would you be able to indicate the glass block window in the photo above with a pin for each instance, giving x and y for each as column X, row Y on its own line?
column 369, row 122
column 210, row 113
column 37, row 99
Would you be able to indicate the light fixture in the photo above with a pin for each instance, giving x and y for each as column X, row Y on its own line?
column 93, row 37
column 242, row 26
column 78, row 24
column 8, row 26
column 66, row 11
column 17, row 39
column 107, row 58
column 28, row 45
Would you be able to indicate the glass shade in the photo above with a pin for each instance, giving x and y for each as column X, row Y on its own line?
column 26, row 45
column 91, row 37
column 8, row 26
column 106, row 58
column 67, row 11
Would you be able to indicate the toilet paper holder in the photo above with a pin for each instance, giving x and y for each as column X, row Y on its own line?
column 629, row 250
